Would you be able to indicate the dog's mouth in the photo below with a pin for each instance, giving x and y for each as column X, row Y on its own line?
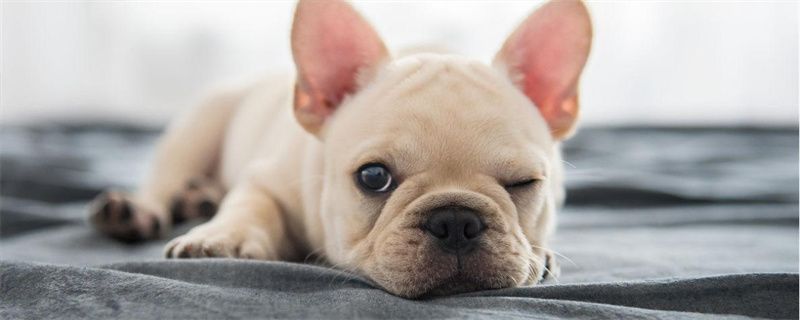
column 430, row 273
column 458, row 282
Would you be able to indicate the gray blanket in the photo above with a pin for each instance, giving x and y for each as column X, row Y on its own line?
column 659, row 224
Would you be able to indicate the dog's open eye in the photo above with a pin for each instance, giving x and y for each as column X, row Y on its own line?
column 521, row 184
column 375, row 177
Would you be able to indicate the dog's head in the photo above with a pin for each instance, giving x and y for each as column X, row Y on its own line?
column 441, row 174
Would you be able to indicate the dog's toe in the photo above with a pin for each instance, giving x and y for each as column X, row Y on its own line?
column 200, row 199
column 215, row 241
column 117, row 215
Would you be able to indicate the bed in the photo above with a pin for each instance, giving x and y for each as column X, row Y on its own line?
column 659, row 223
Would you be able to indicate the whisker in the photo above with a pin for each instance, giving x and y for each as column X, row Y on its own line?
column 531, row 272
column 316, row 253
column 544, row 265
column 352, row 273
column 346, row 274
column 558, row 254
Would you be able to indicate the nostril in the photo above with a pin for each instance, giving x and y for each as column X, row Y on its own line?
column 439, row 230
column 472, row 229
column 437, row 226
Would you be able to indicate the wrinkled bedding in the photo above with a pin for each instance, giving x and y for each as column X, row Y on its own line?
column 659, row 223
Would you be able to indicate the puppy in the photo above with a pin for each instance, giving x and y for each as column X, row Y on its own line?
column 427, row 173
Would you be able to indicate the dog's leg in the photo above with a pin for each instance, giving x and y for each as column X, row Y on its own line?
column 249, row 225
column 186, row 159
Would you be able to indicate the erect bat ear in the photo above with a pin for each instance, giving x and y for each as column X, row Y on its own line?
column 333, row 46
column 544, row 57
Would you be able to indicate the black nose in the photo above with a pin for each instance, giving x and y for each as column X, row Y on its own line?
column 456, row 228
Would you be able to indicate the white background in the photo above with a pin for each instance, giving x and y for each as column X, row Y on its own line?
column 653, row 63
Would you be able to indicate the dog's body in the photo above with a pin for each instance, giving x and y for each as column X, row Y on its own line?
column 469, row 169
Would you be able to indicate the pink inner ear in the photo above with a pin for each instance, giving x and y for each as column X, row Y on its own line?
column 546, row 55
column 331, row 44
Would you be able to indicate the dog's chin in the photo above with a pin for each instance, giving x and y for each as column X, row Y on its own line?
column 462, row 283
column 444, row 275
column 438, row 285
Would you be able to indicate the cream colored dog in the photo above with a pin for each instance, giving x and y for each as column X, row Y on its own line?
column 427, row 173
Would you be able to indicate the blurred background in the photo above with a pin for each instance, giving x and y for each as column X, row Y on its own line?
column 666, row 63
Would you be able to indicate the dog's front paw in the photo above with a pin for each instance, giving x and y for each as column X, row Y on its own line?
column 216, row 240
column 121, row 217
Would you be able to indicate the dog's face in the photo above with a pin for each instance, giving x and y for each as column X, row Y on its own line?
column 436, row 179
column 440, row 173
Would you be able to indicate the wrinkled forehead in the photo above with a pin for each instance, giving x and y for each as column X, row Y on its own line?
column 443, row 109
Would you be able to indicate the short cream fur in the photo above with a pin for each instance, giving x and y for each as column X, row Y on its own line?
column 453, row 131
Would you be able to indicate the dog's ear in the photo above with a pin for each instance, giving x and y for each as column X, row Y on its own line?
column 545, row 56
column 334, row 48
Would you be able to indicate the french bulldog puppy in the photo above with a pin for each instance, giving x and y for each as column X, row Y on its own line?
column 426, row 173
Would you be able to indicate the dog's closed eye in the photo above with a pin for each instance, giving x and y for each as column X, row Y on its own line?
column 525, row 183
